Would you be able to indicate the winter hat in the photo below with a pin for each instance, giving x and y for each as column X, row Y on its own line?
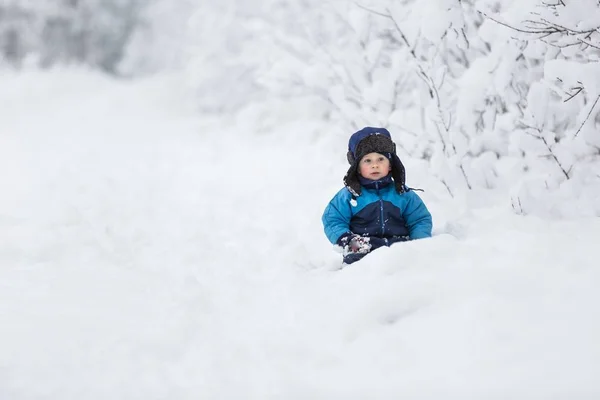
column 372, row 140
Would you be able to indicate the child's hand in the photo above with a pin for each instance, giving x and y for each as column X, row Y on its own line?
column 359, row 244
column 352, row 243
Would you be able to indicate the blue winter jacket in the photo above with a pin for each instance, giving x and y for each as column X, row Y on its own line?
column 380, row 212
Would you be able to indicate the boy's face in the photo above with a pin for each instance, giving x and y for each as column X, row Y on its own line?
column 374, row 166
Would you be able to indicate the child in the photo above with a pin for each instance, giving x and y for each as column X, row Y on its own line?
column 375, row 208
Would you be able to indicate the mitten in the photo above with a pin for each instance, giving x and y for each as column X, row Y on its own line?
column 353, row 243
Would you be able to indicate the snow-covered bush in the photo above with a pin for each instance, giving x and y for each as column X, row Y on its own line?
column 507, row 93
column 249, row 58
column 556, row 134
column 493, row 94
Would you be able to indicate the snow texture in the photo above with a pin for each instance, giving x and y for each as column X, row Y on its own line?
column 147, row 253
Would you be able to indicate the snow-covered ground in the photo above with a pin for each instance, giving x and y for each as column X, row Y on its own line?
column 146, row 253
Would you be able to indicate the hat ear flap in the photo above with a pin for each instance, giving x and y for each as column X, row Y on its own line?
column 350, row 157
column 398, row 173
column 351, row 180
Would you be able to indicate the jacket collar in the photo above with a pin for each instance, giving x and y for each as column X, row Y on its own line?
column 376, row 185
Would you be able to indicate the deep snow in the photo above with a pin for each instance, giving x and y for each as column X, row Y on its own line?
column 148, row 253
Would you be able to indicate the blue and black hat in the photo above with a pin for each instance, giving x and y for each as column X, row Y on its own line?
column 372, row 140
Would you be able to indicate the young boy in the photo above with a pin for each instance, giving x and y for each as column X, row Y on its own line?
column 375, row 208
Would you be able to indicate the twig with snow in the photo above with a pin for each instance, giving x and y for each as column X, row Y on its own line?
column 587, row 117
column 551, row 154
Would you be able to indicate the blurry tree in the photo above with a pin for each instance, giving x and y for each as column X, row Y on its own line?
column 90, row 32
column 17, row 32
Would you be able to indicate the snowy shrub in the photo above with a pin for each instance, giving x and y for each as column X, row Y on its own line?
column 556, row 134
column 496, row 80
column 493, row 94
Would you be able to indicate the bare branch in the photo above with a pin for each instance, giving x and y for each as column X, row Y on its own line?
column 513, row 27
column 560, row 3
column 587, row 117
column 567, row 29
column 579, row 90
column 447, row 187
column 462, row 169
column 596, row 46
column 372, row 11
column 551, row 154
column 464, row 35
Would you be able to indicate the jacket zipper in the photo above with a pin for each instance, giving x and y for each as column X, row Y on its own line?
column 381, row 210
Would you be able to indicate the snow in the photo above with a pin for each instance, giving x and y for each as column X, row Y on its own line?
column 149, row 253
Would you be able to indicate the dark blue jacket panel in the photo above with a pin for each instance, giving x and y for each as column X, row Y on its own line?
column 381, row 219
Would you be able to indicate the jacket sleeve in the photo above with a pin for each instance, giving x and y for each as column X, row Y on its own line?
column 417, row 217
column 336, row 217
